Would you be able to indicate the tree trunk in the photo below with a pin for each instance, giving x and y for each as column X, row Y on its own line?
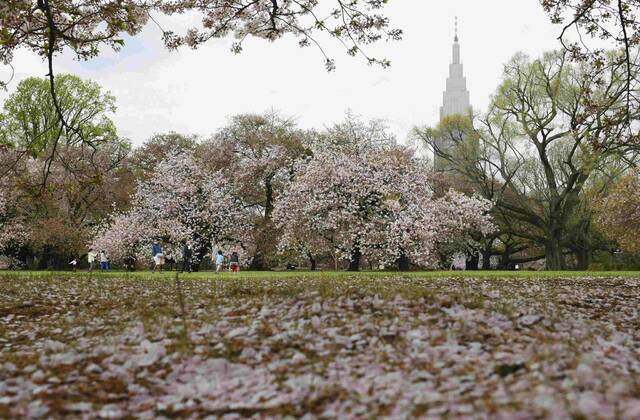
column 312, row 261
column 263, row 231
column 486, row 259
column 471, row 261
column 197, row 256
column 265, row 249
column 257, row 262
column 46, row 263
column 268, row 202
column 553, row 255
column 403, row 263
column 583, row 257
column 505, row 259
column 354, row 263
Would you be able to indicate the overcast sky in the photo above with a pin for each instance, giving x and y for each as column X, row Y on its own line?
column 195, row 92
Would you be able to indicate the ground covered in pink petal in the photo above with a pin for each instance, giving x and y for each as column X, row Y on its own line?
column 320, row 347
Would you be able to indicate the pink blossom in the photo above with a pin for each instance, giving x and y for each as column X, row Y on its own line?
column 180, row 203
column 378, row 203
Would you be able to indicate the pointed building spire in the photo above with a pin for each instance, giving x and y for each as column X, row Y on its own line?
column 456, row 45
column 455, row 99
column 455, row 39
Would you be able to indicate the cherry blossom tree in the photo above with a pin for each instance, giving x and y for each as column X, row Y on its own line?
column 353, row 136
column 257, row 155
column 81, row 191
column 123, row 237
column 182, row 203
column 159, row 147
column 66, row 180
column 379, row 205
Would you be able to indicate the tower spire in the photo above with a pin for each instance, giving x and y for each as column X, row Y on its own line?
column 456, row 96
column 456, row 30
column 455, row 99
column 456, row 45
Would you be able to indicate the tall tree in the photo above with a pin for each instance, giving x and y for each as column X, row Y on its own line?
column 83, row 179
column 184, row 202
column 353, row 136
column 158, row 148
column 539, row 146
column 29, row 123
column 257, row 154
column 378, row 205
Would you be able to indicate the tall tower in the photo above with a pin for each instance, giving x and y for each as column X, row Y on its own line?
column 455, row 99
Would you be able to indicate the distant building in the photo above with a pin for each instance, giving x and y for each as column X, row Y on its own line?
column 455, row 99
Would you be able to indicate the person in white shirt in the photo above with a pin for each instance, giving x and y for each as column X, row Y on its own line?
column 91, row 258
column 219, row 261
column 104, row 261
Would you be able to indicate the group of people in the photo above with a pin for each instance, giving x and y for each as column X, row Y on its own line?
column 92, row 257
column 217, row 259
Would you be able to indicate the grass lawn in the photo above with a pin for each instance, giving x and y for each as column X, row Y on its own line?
column 322, row 344
column 266, row 275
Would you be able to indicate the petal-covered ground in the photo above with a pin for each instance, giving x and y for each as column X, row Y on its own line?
column 320, row 347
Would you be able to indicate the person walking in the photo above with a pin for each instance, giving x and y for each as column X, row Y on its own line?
column 91, row 258
column 234, row 262
column 219, row 261
column 186, row 257
column 73, row 263
column 170, row 259
column 104, row 261
column 158, row 258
